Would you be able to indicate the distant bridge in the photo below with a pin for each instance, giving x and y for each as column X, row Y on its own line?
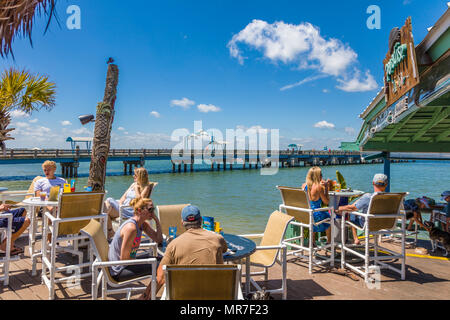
column 70, row 159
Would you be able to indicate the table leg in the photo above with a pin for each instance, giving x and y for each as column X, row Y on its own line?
column 247, row 275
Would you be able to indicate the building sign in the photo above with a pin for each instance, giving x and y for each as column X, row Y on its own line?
column 400, row 65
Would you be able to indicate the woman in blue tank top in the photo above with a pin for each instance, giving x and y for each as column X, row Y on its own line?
column 317, row 190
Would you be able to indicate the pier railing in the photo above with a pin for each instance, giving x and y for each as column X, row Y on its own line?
column 80, row 153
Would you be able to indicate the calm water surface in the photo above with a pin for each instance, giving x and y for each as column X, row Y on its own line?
column 242, row 200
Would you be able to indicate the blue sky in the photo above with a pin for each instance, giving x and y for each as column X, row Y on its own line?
column 307, row 68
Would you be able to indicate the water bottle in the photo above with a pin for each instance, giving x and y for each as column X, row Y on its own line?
column 172, row 232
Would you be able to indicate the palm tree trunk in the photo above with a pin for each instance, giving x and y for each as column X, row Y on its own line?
column 5, row 120
column 102, row 131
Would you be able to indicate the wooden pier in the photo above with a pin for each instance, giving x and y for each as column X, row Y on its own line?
column 249, row 159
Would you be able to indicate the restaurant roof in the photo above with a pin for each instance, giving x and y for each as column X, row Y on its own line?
column 420, row 120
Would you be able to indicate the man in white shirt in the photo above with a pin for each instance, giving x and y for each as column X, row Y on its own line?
column 50, row 180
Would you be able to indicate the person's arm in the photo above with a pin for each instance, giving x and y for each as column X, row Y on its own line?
column 160, row 280
column 224, row 245
column 154, row 235
column 37, row 189
column 348, row 208
column 324, row 193
column 145, row 192
column 128, row 234
column 4, row 207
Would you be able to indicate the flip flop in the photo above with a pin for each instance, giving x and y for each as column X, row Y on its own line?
column 16, row 251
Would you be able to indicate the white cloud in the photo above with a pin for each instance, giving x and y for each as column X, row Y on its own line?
column 324, row 125
column 45, row 129
column 208, row 108
column 66, row 123
column 308, row 79
column 18, row 114
column 121, row 128
column 155, row 114
column 82, row 130
column 33, row 120
column 355, row 84
column 350, row 130
column 184, row 103
column 22, row 124
column 325, row 90
column 301, row 45
column 294, row 43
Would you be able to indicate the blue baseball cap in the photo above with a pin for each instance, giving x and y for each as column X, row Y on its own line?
column 445, row 194
column 190, row 213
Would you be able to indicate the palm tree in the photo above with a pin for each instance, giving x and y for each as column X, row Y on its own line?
column 22, row 91
column 17, row 17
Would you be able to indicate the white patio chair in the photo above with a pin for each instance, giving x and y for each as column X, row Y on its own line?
column 100, row 267
column 381, row 218
column 202, row 282
column 296, row 204
column 74, row 212
column 441, row 217
column 270, row 250
column 395, row 237
column 170, row 216
column 6, row 259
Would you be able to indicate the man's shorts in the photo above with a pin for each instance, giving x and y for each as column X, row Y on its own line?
column 17, row 222
column 357, row 220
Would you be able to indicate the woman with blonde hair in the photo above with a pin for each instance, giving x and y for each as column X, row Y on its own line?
column 127, row 239
column 317, row 190
column 140, row 188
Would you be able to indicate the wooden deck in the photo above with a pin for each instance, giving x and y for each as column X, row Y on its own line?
column 427, row 278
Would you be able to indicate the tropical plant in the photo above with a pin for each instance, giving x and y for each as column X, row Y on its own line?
column 22, row 91
column 17, row 19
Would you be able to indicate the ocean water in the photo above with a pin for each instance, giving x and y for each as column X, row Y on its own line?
column 242, row 200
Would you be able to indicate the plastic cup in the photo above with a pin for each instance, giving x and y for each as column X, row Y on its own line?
column 43, row 195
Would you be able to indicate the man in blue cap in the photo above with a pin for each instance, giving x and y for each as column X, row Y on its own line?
column 446, row 197
column 379, row 182
column 195, row 246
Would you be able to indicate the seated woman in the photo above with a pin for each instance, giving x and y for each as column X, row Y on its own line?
column 140, row 188
column 127, row 239
column 317, row 190
column 19, row 224
column 412, row 208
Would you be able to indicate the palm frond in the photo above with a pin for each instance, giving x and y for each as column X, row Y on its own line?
column 17, row 17
column 39, row 93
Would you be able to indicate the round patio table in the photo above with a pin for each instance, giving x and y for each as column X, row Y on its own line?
column 238, row 247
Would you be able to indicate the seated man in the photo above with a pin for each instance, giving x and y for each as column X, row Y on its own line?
column 195, row 246
column 19, row 224
column 445, row 216
column 50, row 180
column 379, row 182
